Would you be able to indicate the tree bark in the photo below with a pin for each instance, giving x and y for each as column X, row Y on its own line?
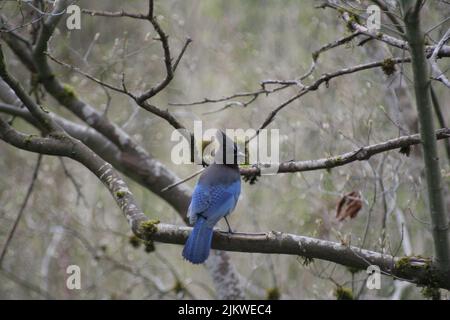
column 439, row 218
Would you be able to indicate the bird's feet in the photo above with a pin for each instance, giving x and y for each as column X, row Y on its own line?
column 230, row 231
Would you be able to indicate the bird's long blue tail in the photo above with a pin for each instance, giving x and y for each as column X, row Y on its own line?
column 196, row 249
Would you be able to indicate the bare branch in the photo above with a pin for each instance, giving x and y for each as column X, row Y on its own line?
column 361, row 154
column 87, row 75
column 21, row 210
column 281, row 84
column 117, row 14
column 334, row 44
column 183, row 50
column 37, row 111
column 413, row 269
column 436, row 71
column 63, row 145
column 391, row 15
column 375, row 34
column 441, row 119
column 325, row 78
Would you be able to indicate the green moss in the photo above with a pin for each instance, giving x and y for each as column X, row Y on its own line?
column 353, row 18
column 342, row 293
column 120, row 194
column 332, row 162
column 205, row 143
column 69, row 90
column 66, row 94
column 29, row 138
column 148, row 227
column 388, row 66
column 405, row 150
column 432, row 293
column 307, row 261
column 405, row 263
column 252, row 178
column 149, row 246
column 43, row 108
column 134, row 241
column 353, row 270
column 178, row 287
column 315, row 56
column 273, row 294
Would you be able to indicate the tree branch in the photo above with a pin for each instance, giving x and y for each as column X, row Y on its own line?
column 375, row 34
column 441, row 120
column 361, row 154
column 436, row 71
column 66, row 146
column 21, row 210
column 438, row 213
column 413, row 269
column 116, row 146
column 325, row 78
column 98, row 142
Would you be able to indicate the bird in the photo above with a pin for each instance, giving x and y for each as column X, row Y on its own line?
column 215, row 196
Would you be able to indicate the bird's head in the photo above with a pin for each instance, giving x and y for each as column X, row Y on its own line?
column 226, row 150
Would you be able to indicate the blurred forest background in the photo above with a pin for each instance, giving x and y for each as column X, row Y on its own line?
column 72, row 219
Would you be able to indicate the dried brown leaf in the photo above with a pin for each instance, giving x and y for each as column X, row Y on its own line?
column 349, row 206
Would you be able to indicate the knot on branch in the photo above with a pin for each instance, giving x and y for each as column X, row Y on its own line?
column 362, row 154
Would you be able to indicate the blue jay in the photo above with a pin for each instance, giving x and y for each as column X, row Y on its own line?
column 215, row 196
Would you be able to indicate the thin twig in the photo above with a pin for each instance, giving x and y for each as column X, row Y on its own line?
column 437, row 73
column 22, row 209
column 173, row 185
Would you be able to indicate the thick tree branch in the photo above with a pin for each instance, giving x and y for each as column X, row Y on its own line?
column 19, row 46
column 116, row 146
column 60, row 143
column 36, row 111
column 438, row 212
column 414, row 269
column 96, row 141
column 66, row 146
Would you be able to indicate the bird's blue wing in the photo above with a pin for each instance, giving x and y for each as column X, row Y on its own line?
column 223, row 199
column 213, row 202
column 199, row 203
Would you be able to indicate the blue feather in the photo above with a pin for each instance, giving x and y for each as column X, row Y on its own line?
column 215, row 196
column 196, row 249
